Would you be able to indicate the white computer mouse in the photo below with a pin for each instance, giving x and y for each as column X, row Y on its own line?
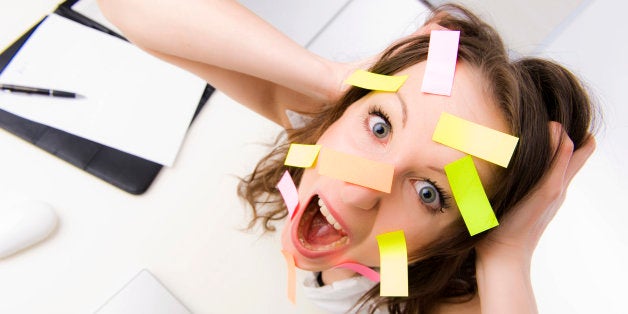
column 25, row 224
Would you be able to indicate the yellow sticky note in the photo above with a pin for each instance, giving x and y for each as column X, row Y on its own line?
column 393, row 262
column 475, row 139
column 302, row 155
column 374, row 81
column 354, row 169
column 469, row 194
column 292, row 281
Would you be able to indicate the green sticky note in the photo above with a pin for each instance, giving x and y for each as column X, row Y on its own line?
column 469, row 194
column 374, row 81
column 393, row 263
column 302, row 155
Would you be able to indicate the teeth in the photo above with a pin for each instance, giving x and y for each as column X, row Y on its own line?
column 330, row 219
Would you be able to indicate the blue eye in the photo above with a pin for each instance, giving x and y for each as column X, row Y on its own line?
column 428, row 194
column 379, row 126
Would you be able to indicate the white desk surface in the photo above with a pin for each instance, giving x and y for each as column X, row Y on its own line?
column 186, row 228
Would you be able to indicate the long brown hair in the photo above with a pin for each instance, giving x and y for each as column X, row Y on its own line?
column 530, row 92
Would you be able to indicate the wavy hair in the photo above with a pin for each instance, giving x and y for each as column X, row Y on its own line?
column 529, row 91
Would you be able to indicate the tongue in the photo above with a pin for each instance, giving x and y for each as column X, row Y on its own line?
column 321, row 232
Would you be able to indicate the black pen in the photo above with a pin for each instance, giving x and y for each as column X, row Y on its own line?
column 38, row 91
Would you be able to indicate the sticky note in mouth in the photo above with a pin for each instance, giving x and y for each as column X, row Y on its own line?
column 288, row 191
column 441, row 62
column 470, row 197
column 302, row 155
column 393, row 263
column 354, row 169
column 377, row 82
column 475, row 139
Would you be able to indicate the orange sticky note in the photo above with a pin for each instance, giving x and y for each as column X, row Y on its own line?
column 354, row 169
column 292, row 277
column 393, row 262
column 475, row 139
column 470, row 197
column 302, row 155
column 374, row 81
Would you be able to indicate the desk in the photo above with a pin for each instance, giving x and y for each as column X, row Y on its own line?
column 186, row 229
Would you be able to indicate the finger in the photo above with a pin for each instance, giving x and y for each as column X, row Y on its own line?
column 580, row 156
column 562, row 146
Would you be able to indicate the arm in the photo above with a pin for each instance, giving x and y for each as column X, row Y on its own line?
column 234, row 50
column 504, row 256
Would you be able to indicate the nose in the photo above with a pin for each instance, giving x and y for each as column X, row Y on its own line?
column 359, row 196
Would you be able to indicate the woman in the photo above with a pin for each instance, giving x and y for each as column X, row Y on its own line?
column 538, row 101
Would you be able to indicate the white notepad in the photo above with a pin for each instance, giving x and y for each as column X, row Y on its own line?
column 135, row 102
column 144, row 294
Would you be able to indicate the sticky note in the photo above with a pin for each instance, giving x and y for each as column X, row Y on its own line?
column 475, row 139
column 302, row 155
column 441, row 62
column 362, row 270
column 393, row 261
column 470, row 197
column 354, row 169
column 288, row 191
column 292, row 277
column 374, row 81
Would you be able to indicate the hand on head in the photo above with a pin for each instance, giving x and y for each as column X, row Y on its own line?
column 519, row 232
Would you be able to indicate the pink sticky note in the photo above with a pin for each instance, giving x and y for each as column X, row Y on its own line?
column 441, row 62
column 361, row 269
column 292, row 277
column 288, row 191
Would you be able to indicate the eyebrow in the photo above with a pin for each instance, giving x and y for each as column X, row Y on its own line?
column 404, row 110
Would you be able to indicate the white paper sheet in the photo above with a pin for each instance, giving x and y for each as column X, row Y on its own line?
column 143, row 294
column 134, row 102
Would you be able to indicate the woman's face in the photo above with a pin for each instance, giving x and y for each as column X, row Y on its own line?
column 392, row 128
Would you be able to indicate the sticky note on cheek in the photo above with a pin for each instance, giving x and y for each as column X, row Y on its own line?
column 355, row 169
column 393, row 260
column 475, row 139
column 470, row 196
column 292, row 278
column 288, row 191
column 441, row 62
column 302, row 155
column 377, row 82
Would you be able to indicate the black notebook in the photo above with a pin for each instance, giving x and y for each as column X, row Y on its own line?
column 125, row 171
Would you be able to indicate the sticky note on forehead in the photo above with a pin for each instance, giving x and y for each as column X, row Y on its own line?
column 393, row 262
column 289, row 193
column 374, row 81
column 354, row 169
column 470, row 196
column 441, row 62
column 302, row 155
column 475, row 139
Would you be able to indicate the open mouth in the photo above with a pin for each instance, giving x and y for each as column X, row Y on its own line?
column 318, row 230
